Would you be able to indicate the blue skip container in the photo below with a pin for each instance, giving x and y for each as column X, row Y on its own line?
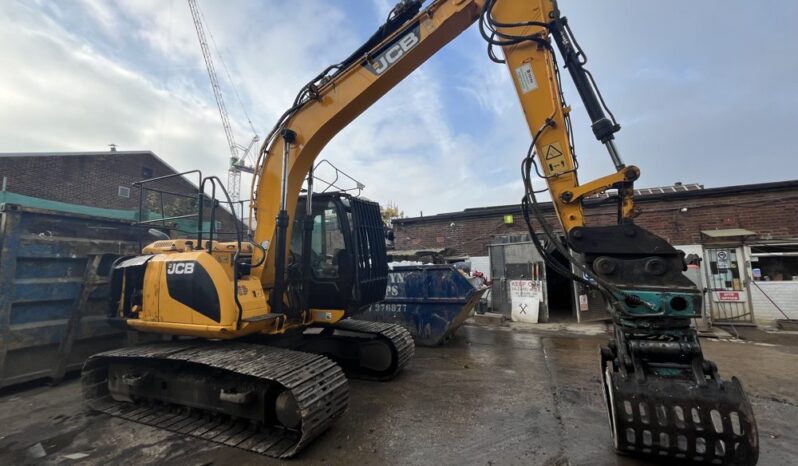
column 430, row 301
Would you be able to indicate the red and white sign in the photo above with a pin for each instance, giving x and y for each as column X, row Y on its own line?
column 729, row 296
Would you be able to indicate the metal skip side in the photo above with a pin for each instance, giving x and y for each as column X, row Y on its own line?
column 430, row 301
column 54, row 270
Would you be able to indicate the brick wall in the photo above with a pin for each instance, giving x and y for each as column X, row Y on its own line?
column 770, row 210
column 94, row 179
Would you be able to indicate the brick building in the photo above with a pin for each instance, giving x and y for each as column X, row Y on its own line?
column 753, row 227
column 104, row 180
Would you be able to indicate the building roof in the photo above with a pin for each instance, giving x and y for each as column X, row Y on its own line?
column 641, row 195
column 148, row 153
column 80, row 154
column 93, row 153
column 73, row 154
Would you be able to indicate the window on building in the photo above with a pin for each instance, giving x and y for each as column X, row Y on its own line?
column 124, row 191
column 146, row 173
column 218, row 225
column 774, row 262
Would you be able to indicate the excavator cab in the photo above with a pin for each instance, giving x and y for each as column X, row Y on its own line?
column 347, row 265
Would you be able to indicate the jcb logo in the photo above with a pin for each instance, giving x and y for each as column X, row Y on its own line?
column 393, row 52
column 180, row 268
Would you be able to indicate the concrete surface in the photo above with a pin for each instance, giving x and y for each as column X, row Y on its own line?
column 495, row 395
column 488, row 318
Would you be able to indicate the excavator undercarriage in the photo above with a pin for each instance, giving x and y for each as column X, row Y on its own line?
column 267, row 400
column 254, row 396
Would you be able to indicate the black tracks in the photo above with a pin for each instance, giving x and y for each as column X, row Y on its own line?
column 317, row 383
column 397, row 337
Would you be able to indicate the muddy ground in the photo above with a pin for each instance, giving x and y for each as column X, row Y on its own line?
column 492, row 396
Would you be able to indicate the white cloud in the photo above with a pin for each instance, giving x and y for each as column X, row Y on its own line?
column 406, row 151
column 489, row 85
column 64, row 96
column 81, row 75
column 70, row 94
column 103, row 15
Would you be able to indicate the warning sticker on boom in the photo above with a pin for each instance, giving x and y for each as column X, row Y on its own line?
column 526, row 79
column 554, row 159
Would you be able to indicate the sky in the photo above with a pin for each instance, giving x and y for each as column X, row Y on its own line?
column 705, row 91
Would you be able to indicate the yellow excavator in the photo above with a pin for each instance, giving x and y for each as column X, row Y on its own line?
column 285, row 297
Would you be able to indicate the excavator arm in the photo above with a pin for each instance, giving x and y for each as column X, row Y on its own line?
column 663, row 398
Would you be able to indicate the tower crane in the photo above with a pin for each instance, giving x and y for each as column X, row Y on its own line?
column 239, row 155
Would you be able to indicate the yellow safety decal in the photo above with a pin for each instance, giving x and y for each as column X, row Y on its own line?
column 554, row 159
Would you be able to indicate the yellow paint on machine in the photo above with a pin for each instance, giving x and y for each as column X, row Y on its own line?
column 326, row 316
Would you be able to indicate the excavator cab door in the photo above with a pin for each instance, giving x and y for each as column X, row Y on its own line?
column 348, row 264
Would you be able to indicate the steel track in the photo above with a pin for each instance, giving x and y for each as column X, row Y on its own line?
column 317, row 383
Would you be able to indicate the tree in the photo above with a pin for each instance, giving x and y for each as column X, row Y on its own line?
column 390, row 212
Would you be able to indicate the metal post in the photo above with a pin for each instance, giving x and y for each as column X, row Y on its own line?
column 200, row 213
column 309, row 204
column 282, row 226
column 213, row 215
column 141, row 202
column 307, row 244
column 284, row 176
